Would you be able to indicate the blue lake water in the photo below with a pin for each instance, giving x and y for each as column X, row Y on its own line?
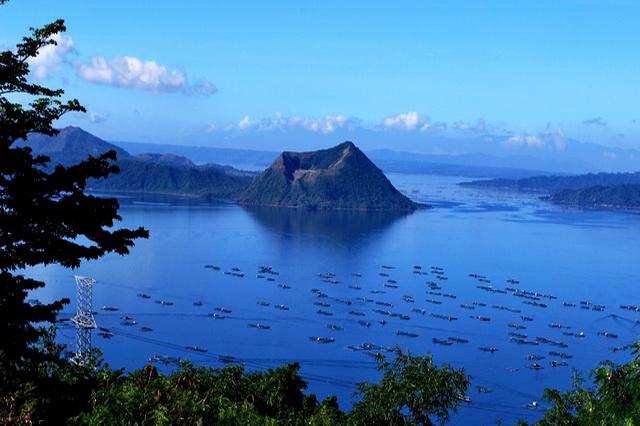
column 574, row 256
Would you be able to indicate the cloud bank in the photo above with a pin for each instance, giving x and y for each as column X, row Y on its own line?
column 133, row 73
column 328, row 124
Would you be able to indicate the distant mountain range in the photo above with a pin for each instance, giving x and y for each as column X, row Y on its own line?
column 338, row 178
column 600, row 190
column 165, row 173
column 546, row 152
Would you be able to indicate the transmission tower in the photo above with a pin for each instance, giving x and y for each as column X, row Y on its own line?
column 83, row 319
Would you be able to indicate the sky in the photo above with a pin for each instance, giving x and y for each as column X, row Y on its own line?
column 205, row 73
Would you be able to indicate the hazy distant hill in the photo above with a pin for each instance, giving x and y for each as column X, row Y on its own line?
column 550, row 184
column 601, row 190
column 338, row 178
column 389, row 161
column 166, row 173
column 609, row 197
column 71, row 146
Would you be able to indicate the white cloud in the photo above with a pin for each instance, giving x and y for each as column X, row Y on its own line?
column 51, row 57
column 524, row 140
column 244, row 123
column 328, row 124
column 479, row 127
column 556, row 136
column 95, row 116
column 409, row 121
column 130, row 72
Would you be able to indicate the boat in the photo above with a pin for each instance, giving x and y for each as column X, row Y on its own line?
column 360, row 314
column 224, row 310
column 110, row 308
column 326, row 305
column 406, row 333
column 534, row 357
column 321, row 312
column 260, row 326
column 226, row 358
column 482, row 389
column 480, row 317
column 198, row 303
column 106, row 335
column 164, row 302
column 335, row 327
column 535, row 366
column 488, row 349
column 145, row 329
column 281, row 307
column 144, row 296
column 457, row 340
column 129, row 323
column 322, row 339
column 261, row 303
column 196, row 349
column 216, row 315
column 165, row 359
column 442, row 342
column 355, row 287
column 365, row 323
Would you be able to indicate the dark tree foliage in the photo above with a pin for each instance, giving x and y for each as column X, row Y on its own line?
column 45, row 215
column 201, row 395
column 413, row 390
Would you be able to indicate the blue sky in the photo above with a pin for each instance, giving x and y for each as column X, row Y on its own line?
column 199, row 72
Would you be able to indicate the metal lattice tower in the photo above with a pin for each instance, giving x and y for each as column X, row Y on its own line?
column 83, row 319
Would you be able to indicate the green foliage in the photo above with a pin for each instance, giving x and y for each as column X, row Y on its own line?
column 413, row 390
column 146, row 176
column 200, row 395
column 45, row 217
column 47, row 389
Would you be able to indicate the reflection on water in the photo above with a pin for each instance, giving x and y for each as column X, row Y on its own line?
column 342, row 225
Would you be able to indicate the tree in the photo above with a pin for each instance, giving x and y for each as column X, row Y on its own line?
column 412, row 391
column 202, row 395
column 614, row 398
column 45, row 215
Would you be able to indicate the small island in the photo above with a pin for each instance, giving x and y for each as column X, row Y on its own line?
column 339, row 178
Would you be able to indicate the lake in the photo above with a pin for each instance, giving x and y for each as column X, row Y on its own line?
column 365, row 265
